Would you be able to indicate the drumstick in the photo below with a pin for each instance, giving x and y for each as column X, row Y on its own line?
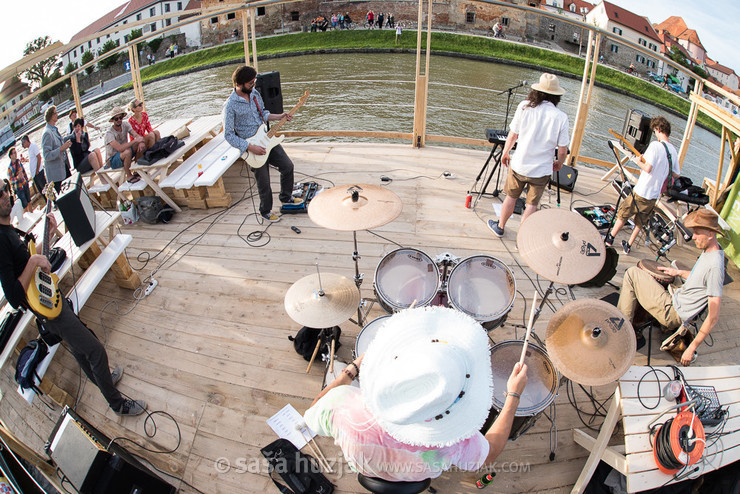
column 529, row 329
column 315, row 351
column 331, row 356
column 320, row 454
column 413, row 304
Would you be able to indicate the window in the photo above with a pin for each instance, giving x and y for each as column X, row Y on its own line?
column 167, row 22
column 573, row 7
column 505, row 21
column 125, row 21
column 166, row 7
column 551, row 28
column 153, row 26
column 74, row 53
column 616, row 30
column 651, row 64
column 231, row 16
column 138, row 17
column 179, row 5
column 640, row 58
column 89, row 44
column 642, row 42
column 125, row 38
column 260, row 11
column 214, row 20
column 614, row 48
column 295, row 16
column 653, row 47
column 152, row 12
column 470, row 17
column 98, row 40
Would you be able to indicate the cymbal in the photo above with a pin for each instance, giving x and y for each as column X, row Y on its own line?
column 306, row 306
column 561, row 246
column 354, row 207
column 590, row 342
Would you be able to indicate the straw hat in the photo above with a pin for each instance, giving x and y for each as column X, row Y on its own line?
column 703, row 218
column 426, row 377
column 549, row 84
column 117, row 110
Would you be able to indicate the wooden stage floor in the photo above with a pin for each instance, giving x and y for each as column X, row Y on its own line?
column 210, row 344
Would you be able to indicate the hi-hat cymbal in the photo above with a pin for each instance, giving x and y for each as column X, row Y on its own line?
column 354, row 207
column 590, row 342
column 305, row 304
column 561, row 246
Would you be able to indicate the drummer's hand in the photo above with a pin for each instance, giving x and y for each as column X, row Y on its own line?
column 668, row 271
column 518, row 379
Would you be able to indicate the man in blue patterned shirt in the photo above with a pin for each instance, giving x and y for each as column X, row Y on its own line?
column 243, row 114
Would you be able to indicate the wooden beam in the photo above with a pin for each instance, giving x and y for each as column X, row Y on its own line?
column 715, row 193
column 688, row 132
column 245, row 33
column 76, row 95
column 252, row 15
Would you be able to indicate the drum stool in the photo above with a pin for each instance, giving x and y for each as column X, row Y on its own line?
column 380, row 486
column 643, row 320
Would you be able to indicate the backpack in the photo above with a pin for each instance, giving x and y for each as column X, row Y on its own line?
column 151, row 210
column 29, row 359
column 306, row 338
column 607, row 271
column 161, row 149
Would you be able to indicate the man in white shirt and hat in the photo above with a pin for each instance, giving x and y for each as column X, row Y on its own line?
column 540, row 128
column 426, row 391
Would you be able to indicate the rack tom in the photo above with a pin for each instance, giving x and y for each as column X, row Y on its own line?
column 404, row 276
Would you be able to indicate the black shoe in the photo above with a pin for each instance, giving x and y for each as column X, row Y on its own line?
column 608, row 240
column 640, row 340
column 132, row 407
column 626, row 247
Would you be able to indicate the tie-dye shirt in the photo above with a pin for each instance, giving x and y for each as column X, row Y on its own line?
column 341, row 414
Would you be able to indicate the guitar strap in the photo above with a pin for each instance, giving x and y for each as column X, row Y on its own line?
column 262, row 115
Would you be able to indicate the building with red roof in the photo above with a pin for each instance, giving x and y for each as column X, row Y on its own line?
column 688, row 38
column 725, row 76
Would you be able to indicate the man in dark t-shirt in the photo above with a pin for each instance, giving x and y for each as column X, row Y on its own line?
column 17, row 271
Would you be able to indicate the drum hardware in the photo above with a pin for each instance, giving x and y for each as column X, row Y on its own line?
column 590, row 342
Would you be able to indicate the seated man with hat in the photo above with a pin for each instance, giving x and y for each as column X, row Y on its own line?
column 119, row 150
column 702, row 286
column 425, row 392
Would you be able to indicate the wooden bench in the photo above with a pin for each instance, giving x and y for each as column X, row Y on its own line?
column 79, row 295
column 635, row 458
column 201, row 174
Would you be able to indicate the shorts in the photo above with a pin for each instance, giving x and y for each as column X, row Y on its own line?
column 515, row 184
column 116, row 162
column 636, row 206
column 24, row 195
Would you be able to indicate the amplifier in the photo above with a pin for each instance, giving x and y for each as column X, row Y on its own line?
column 567, row 177
column 599, row 216
column 636, row 129
column 77, row 209
column 94, row 466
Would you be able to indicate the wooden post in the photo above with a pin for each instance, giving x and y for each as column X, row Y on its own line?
column 584, row 101
column 245, row 33
column 76, row 94
column 422, row 81
column 690, row 124
column 133, row 58
column 252, row 15
column 715, row 193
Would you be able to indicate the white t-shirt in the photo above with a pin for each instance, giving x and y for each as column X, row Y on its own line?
column 649, row 184
column 33, row 164
column 706, row 280
column 541, row 130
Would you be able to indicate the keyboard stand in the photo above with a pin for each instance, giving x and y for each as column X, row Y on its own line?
column 495, row 154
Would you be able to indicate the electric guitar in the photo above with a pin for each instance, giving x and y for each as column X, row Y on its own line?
column 267, row 139
column 43, row 295
column 630, row 147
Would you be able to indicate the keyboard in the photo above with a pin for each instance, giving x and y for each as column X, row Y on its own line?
column 496, row 136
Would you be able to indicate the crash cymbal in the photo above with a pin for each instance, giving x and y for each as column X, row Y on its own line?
column 305, row 304
column 354, row 207
column 561, row 246
column 590, row 342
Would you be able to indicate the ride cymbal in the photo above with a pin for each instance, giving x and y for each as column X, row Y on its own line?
column 590, row 342
column 561, row 246
column 306, row 305
column 354, row 207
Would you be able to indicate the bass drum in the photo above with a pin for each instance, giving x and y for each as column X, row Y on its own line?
column 405, row 275
column 484, row 288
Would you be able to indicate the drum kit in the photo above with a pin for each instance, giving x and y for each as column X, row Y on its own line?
column 587, row 341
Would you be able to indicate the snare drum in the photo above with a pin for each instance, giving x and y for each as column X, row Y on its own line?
column 542, row 384
column 482, row 287
column 652, row 267
column 367, row 334
column 405, row 275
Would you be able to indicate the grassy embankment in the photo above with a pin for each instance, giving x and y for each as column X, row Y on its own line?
column 362, row 39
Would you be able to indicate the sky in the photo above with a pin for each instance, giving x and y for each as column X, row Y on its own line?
column 715, row 21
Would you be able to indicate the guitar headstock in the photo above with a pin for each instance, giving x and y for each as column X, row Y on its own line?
column 50, row 192
column 303, row 99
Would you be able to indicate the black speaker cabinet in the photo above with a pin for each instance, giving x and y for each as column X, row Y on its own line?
column 77, row 209
column 567, row 176
column 268, row 85
column 94, row 466
column 637, row 129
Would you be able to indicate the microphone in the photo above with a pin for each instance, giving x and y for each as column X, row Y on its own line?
column 523, row 83
column 687, row 235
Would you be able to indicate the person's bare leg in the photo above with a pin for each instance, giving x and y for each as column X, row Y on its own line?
column 617, row 226
column 507, row 209
column 126, row 156
column 528, row 210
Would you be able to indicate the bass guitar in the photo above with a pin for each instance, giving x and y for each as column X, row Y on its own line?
column 43, row 295
column 267, row 139
column 630, row 147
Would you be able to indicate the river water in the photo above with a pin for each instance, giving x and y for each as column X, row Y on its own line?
column 375, row 92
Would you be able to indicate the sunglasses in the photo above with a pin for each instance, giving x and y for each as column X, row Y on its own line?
column 117, row 119
column 139, row 104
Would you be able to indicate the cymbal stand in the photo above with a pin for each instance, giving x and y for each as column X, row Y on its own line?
column 358, row 281
column 549, row 291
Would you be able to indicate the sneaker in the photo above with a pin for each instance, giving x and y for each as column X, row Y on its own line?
column 132, row 407
column 493, row 226
column 626, row 248
column 116, row 374
column 271, row 217
column 608, row 240
column 641, row 341
column 294, row 200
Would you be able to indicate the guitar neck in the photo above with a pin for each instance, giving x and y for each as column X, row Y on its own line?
column 280, row 123
column 47, row 234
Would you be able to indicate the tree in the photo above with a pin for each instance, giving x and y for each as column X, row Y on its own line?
column 135, row 33
column 88, row 57
column 110, row 61
column 42, row 70
column 47, row 94
column 70, row 67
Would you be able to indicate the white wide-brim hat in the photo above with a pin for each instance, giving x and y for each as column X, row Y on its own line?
column 549, row 84
column 426, row 377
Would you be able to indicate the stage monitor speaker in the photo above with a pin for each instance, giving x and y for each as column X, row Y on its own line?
column 637, row 129
column 77, row 210
column 567, row 176
column 268, row 85
column 95, row 466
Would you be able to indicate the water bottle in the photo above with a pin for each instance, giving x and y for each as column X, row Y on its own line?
column 468, row 199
